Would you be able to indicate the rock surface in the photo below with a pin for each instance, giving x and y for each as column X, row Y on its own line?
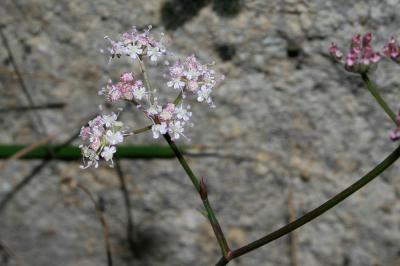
column 286, row 116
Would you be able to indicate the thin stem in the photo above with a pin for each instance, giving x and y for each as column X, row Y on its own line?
column 388, row 161
column 374, row 91
column 146, row 78
column 103, row 222
column 141, row 130
column 203, row 194
column 178, row 98
column 128, row 206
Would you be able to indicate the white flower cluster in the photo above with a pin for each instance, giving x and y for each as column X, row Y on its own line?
column 170, row 118
column 135, row 44
column 188, row 76
column 102, row 134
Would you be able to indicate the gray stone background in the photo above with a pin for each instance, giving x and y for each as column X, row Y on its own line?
column 286, row 117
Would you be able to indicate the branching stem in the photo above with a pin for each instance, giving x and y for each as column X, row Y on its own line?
column 308, row 217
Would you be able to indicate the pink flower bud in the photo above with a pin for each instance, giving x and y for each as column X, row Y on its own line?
column 391, row 49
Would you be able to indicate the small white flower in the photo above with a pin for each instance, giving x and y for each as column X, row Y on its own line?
column 139, row 92
column 109, row 119
column 114, row 138
column 182, row 113
column 177, row 83
column 96, row 133
column 192, row 74
column 153, row 53
column 154, row 109
column 176, row 129
column 204, row 94
column 108, row 153
column 158, row 129
column 134, row 51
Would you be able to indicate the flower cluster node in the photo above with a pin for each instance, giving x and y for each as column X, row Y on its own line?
column 102, row 134
column 361, row 57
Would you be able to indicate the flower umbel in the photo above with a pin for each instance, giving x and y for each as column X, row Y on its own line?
column 127, row 88
column 191, row 76
column 361, row 57
column 102, row 133
column 135, row 44
column 188, row 75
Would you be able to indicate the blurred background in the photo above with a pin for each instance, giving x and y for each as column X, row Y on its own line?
column 288, row 121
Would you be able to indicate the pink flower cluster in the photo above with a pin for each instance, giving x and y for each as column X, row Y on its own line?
column 189, row 75
column 135, row 44
column 102, row 134
column 126, row 89
column 392, row 50
column 361, row 58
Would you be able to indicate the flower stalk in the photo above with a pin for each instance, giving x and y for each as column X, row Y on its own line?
column 201, row 189
column 308, row 217
column 374, row 91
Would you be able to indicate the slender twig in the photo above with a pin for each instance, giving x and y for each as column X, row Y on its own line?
column 103, row 223
column 7, row 255
column 293, row 237
column 21, row 80
column 128, row 207
column 201, row 189
column 375, row 92
column 388, row 161
column 27, row 179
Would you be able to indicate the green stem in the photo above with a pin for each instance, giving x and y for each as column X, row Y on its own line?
column 141, row 130
column 178, row 98
column 374, row 91
column 72, row 152
column 146, row 79
column 196, row 183
column 388, row 161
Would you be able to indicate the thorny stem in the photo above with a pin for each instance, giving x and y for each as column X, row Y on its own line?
column 388, row 161
column 374, row 91
column 210, row 212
